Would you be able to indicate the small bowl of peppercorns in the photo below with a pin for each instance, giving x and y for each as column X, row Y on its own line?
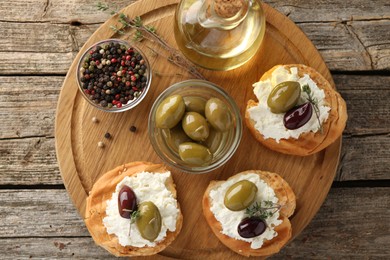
column 113, row 76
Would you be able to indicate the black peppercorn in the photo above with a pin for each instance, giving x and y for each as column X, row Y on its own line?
column 109, row 79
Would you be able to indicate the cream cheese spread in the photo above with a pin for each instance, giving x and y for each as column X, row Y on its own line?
column 230, row 219
column 271, row 125
column 148, row 187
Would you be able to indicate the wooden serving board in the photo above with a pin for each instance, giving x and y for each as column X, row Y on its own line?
column 82, row 162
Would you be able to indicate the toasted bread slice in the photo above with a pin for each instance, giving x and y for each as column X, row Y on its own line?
column 96, row 210
column 307, row 143
column 287, row 200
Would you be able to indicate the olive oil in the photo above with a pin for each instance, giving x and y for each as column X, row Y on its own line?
column 222, row 45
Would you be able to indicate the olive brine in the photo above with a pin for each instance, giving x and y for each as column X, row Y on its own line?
column 193, row 126
column 242, row 196
column 146, row 215
column 112, row 75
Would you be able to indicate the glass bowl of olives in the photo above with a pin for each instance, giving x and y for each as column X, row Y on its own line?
column 113, row 75
column 195, row 126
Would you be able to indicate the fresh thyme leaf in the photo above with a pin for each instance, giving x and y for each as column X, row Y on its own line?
column 115, row 29
column 102, row 7
column 262, row 212
column 122, row 16
column 134, row 216
column 137, row 21
column 138, row 36
column 151, row 29
column 306, row 89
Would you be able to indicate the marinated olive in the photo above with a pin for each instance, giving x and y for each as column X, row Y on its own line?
column 251, row 227
column 240, row 195
column 170, row 111
column 298, row 116
column 218, row 115
column 284, row 96
column 127, row 202
column 214, row 140
column 195, row 104
column 195, row 126
column 149, row 220
column 195, row 154
column 174, row 137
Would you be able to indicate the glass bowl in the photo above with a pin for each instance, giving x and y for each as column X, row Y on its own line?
column 222, row 147
column 118, row 78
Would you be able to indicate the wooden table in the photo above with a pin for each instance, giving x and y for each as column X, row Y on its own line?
column 40, row 38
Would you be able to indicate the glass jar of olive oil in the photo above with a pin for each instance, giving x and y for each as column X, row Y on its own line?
column 219, row 34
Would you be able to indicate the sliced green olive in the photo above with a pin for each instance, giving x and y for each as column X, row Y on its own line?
column 149, row 220
column 240, row 195
column 284, row 96
column 195, row 154
column 174, row 137
column 195, row 126
column 195, row 104
column 170, row 111
column 218, row 114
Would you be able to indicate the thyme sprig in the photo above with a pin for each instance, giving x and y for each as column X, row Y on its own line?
column 263, row 212
column 102, row 7
column 144, row 31
column 133, row 217
column 314, row 102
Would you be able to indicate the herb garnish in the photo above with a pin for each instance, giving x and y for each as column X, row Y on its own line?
column 263, row 212
column 133, row 217
column 314, row 102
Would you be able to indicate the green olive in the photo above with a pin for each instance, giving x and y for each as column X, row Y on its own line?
column 195, row 126
column 240, row 195
column 149, row 220
column 218, row 114
column 284, row 96
column 214, row 140
column 170, row 111
column 195, row 154
column 195, row 104
column 174, row 137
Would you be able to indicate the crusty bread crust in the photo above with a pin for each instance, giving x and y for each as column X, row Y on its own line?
column 286, row 198
column 96, row 210
column 307, row 143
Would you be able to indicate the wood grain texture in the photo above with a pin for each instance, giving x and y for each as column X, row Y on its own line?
column 336, row 232
column 28, row 161
column 33, row 118
column 57, row 11
column 31, row 161
column 365, row 158
column 84, row 11
column 352, row 40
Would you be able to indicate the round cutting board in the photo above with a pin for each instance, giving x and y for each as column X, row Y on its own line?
column 82, row 162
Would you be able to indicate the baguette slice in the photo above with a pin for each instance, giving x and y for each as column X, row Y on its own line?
column 286, row 198
column 307, row 143
column 96, row 210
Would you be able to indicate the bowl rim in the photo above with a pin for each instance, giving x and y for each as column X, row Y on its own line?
column 237, row 133
column 134, row 102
